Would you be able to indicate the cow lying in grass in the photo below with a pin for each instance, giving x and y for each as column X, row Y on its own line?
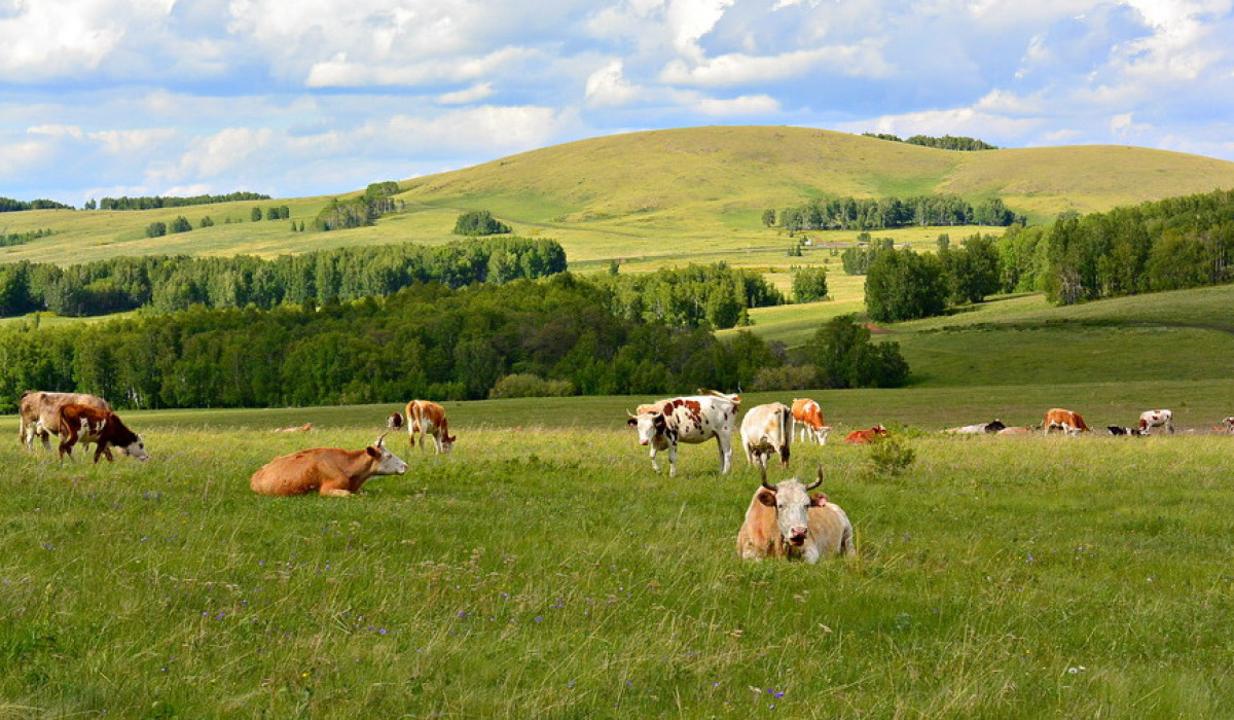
column 785, row 520
column 991, row 427
column 331, row 472
column 88, row 424
column 1228, row 424
column 1133, row 431
column 865, row 437
column 1018, row 430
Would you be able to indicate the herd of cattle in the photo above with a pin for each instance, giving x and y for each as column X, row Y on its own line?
column 785, row 519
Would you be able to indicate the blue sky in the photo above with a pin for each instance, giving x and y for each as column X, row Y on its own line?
column 108, row 97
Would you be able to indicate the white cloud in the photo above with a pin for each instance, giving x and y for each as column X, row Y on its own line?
column 741, row 105
column 19, row 157
column 954, row 121
column 466, row 96
column 123, row 142
column 340, row 71
column 55, row 130
column 608, row 86
column 741, row 69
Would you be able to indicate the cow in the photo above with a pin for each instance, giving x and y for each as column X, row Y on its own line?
column 808, row 417
column 306, row 427
column 785, row 520
column 332, row 472
column 39, row 414
column 692, row 419
column 1228, row 424
column 427, row 417
column 1117, row 430
column 767, row 430
column 991, row 427
column 1067, row 421
column 394, row 421
column 88, row 424
column 865, row 437
column 1017, row 430
column 1150, row 419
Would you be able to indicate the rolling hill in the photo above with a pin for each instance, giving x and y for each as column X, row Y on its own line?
column 659, row 197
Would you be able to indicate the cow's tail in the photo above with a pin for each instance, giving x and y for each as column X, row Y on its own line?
column 786, row 423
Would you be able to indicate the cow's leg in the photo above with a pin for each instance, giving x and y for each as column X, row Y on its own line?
column 334, row 492
column 672, row 460
column 726, row 452
column 654, row 465
column 45, row 437
column 437, row 444
column 105, row 450
column 810, row 553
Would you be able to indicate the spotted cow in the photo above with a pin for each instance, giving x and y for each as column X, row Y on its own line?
column 692, row 419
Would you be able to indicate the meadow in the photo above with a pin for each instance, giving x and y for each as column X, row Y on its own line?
column 543, row 570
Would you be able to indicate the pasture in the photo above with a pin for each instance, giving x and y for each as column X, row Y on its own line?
column 543, row 570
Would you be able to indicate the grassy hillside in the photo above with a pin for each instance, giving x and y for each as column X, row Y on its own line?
column 660, row 197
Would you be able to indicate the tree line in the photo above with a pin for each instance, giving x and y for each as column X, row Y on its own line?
column 377, row 200
column 10, row 205
column 848, row 213
column 154, row 202
column 946, row 142
column 11, row 239
column 715, row 296
column 168, row 283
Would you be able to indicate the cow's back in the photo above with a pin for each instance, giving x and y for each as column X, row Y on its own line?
column 831, row 530
column 37, row 405
column 293, row 474
column 808, row 412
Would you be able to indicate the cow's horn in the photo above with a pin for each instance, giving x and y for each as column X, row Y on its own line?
column 381, row 439
column 817, row 482
column 772, row 488
column 631, row 414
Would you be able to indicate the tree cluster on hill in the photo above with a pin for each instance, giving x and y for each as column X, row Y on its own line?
column 319, row 278
column 809, row 283
column 715, row 296
column 154, row 202
column 11, row 205
column 11, row 239
column 845, row 357
column 905, row 285
column 946, row 142
column 849, row 213
column 426, row 341
column 479, row 222
column 856, row 260
column 377, row 200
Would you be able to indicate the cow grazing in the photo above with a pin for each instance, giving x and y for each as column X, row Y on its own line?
column 306, row 427
column 1117, row 430
column 1067, row 421
column 865, row 437
column 1150, row 419
column 767, row 430
column 332, row 472
column 808, row 418
column 426, row 417
column 39, row 414
column 693, row 419
column 785, row 520
column 991, row 427
column 394, row 421
column 88, row 424
column 1228, row 424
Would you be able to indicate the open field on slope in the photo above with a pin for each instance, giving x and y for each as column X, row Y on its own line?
column 547, row 572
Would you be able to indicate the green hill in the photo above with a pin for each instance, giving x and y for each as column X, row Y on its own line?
column 658, row 197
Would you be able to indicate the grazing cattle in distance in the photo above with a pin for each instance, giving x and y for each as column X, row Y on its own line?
column 88, row 424
column 1150, row 419
column 1067, row 421
column 808, row 417
column 991, row 427
column 394, row 421
column 426, row 417
column 865, row 437
column 39, row 414
column 692, row 419
column 785, row 520
column 1117, row 430
column 1228, row 424
column 767, row 430
column 332, row 472
column 306, row 427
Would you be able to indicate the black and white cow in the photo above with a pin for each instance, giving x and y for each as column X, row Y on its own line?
column 693, row 419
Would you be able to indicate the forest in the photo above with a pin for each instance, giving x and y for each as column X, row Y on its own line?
column 848, row 213
column 11, row 205
column 946, row 142
column 365, row 209
column 11, row 239
column 167, row 283
column 153, row 202
column 711, row 296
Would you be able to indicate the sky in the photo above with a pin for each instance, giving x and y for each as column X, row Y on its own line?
column 309, row 97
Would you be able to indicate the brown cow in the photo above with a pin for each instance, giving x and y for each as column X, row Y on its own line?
column 865, row 437
column 1017, row 430
column 785, row 520
column 809, row 416
column 332, row 472
column 428, row 417
column 1061, row 419
column 39, row 414
column 85, row 424
column 306, row 427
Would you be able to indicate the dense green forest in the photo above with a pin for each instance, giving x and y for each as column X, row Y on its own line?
column 10, row 239
column 849, row 213
column 154, row 202
column 479, row 222
column 11, row 205
column 715, row 296
column 427, row 340
column 329, row 276
column 946, row 142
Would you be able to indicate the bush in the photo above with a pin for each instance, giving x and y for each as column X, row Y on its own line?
column 156, row 229
column 788, row 377
column 180, row 224
column 902, row 285
column 479, row 222
column 845, row 357
column 888, row 456
column 255, row 214
column 206, row 222
column 809, row 284
column 528, row 385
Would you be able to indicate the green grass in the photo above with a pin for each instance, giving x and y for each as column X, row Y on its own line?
column 548, row 573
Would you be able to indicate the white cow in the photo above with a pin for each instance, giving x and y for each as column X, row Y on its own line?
column 785, row 520
column 693, row 419
column 1150, row 419
column 991, row 427
column 767, row 430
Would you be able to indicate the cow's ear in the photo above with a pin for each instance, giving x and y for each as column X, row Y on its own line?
column 766, row 497
column 373, row 452
column 818, row 500
column 632, row 422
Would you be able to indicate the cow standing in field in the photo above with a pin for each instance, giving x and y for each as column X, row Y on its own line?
column 331, row 472
column 767, row 430
column 87, row 424
column 865, row 437
column 693, row 419
column 39, row 414
column 1067, row 421
column 425, row 417
column 785, row 520
column 808, row 417
column 1150, row 419
column 991, row 427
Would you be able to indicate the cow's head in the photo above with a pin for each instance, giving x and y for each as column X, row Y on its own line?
column 878, row 430
column 136, row 449
column 994, row 426
column 447, row 441
column 792, row 501
column 395, row 421
column 387, row 462
column 649, row 425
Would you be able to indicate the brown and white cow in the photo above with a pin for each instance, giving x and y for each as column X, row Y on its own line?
column 1061, row 419
column 785, row 520
column 1150, row 419
column 808, row 417
column 865, row 437
column 332, row 472
column 692, row 419
column 39, row 414
column 767, row 430
column 87, row 424
column 427, row 417
column 1228, row 424
column 395, row 420
column 991, row 427
column 306, row 427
